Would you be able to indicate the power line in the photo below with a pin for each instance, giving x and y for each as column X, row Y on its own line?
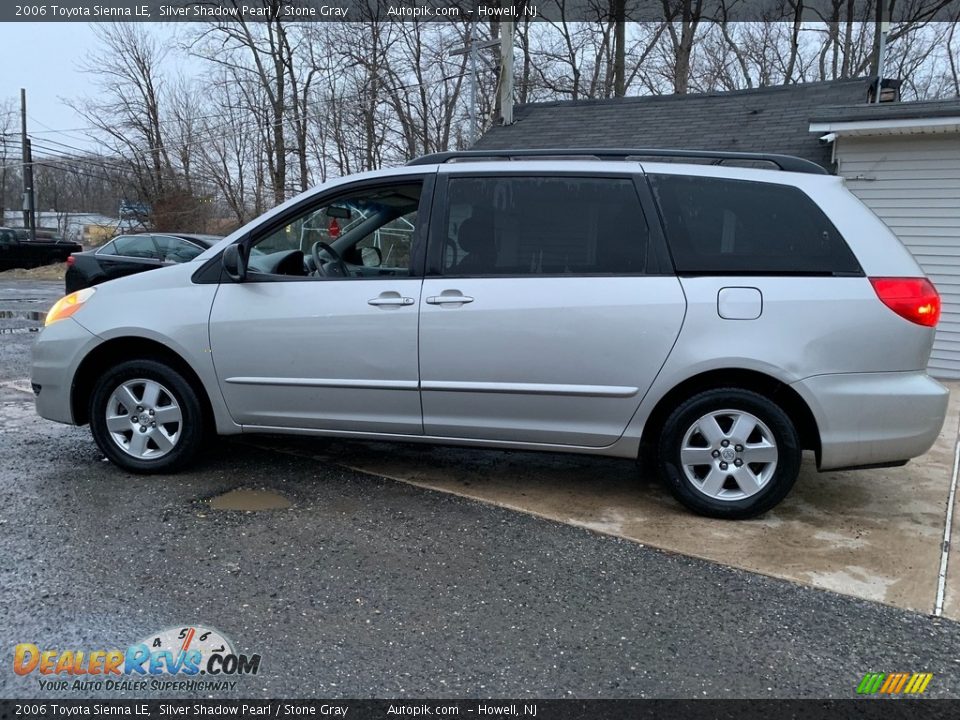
column 65, row 133
column 63, row 161
column 89, row 159
column 67, row 164
column 213, row 131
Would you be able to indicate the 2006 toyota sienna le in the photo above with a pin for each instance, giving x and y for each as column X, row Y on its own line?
column 721, row 318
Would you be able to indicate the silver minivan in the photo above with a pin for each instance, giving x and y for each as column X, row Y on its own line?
column 714, row 320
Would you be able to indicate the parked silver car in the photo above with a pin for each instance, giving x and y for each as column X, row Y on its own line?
column 721, row 319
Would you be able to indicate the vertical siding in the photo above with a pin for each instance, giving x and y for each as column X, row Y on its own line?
column 912, row 182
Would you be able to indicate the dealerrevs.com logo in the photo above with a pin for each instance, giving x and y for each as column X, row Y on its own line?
column 182, row 658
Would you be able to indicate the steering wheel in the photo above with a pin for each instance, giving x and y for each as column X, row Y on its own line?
column 338, row 264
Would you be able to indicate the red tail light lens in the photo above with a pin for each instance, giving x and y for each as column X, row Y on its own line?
column 915, row 299
column 70, row 261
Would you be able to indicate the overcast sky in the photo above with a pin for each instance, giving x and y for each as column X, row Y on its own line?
column 45, row 58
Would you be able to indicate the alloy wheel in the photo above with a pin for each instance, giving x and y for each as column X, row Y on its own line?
column 729, row 455
column 144, row 419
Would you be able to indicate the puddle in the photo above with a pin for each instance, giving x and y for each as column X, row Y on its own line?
column 252, row 500
column 34, row 315
column 28, row 315
column 23, row 385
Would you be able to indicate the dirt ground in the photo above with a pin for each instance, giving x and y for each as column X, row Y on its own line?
column 46, row 272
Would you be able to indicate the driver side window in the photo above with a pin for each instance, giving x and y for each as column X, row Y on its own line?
column 366, row 233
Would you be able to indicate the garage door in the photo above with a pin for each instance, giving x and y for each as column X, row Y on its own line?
column 913, row 183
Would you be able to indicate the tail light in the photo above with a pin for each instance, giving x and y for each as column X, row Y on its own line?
column 70, row 260
column 915, row 299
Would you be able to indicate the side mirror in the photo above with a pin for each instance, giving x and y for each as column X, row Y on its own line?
column 234, row 261
column 371, row 257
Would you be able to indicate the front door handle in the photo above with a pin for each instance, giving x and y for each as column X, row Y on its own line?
column 449, row 299
column 390, row 299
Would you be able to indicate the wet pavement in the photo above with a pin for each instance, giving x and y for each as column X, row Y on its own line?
column 874, row 534
column 23, row 306
column 350, row 584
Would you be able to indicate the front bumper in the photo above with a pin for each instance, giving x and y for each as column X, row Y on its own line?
column 874, row 418
column 57, row 353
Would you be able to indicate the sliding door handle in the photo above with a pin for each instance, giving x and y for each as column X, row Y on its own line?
column 449, row 299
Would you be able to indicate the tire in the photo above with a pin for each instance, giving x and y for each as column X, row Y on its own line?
column 159, row 447
column 729, row 453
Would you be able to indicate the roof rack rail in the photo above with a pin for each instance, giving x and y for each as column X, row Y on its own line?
column 788, row 163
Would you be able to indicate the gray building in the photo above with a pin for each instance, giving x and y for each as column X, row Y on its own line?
column 901, row 158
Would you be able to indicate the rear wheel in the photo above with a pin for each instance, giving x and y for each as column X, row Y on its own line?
column 729, row 453
column 146, row 417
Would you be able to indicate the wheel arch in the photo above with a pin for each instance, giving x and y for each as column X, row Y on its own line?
column 778, row 392
column 121, row 349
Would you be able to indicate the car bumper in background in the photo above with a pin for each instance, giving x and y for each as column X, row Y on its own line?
column 874, row 418
column 57, row 353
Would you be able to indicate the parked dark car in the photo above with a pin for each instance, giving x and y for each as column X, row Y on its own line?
column 17, row 250
column 130, row 254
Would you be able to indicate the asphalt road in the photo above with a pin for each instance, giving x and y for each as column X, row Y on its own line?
column 366, row 587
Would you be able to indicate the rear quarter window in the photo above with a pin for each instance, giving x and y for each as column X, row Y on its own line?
column 719, row 226
column 109, row 249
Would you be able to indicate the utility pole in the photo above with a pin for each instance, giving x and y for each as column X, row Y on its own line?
column 29, row 216
column 506, row 72
column 619, row 48
column 471, row 47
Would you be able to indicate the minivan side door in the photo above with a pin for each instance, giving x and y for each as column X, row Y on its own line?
column 548, row 308
column 336, row 348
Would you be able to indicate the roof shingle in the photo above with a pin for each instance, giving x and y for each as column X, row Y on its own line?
column 771, row 119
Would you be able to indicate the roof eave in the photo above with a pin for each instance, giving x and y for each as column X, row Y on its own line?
column 900, row 126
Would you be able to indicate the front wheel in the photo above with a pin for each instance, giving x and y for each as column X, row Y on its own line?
column 146, row 417
column 729, row 453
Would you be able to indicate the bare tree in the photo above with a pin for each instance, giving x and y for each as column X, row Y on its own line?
column 9, row 147
column 263, row 56
column 683, row 19
column 230, row 155
column 128, row 116
column 953, row 57
column 286, row 103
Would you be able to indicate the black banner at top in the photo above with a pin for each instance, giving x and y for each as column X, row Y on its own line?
column 472, row 10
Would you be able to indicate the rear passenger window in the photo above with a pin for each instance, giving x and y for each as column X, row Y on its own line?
column 720, row 226
column 544, row 226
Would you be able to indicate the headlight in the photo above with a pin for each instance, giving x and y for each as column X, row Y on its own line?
column 68, row 305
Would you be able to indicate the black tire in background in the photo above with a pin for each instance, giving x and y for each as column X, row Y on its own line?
column 774, row 422
column 192, row 424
